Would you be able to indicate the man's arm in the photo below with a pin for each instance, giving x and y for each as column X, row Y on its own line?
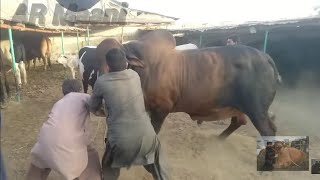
column 95, row 102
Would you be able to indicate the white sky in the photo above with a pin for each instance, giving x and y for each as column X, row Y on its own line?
column 228, row 11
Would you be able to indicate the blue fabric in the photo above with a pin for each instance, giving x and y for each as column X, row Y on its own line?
column 3, row 175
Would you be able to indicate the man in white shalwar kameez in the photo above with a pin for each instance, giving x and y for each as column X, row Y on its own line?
column 64, row 143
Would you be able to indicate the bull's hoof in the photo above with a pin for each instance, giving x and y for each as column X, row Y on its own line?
column 222, row 137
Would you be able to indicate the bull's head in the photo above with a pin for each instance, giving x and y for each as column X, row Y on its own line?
column 149, row 48
column 278, row 145
column 62, row 59
column 134, row 54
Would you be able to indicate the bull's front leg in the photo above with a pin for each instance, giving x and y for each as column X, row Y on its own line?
column 22, row 68
column 17, row 75
column 85, row 85
column 157, row 118
column 34, row 63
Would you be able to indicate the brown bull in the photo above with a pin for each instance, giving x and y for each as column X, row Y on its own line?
column 288, row 156
column 37, row 47
column 209, row 84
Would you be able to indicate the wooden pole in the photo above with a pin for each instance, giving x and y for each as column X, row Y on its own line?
column 78, row 41
column 265, row 41
column 62, row 52
column 88, row 35
column 13, row 60
column 62, row 43
column 200, row 43
column 122, row 34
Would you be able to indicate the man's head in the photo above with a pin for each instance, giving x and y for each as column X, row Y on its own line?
column 233, row 40
column 71, row 85
column 116, row 60
column 269, row 144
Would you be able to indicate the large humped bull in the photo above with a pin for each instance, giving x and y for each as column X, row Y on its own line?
column 208, row 84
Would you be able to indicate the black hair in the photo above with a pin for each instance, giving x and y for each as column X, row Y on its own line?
column 116, row 60
column 71, row 85
column 269, row 142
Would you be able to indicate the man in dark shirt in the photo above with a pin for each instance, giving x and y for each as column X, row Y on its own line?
column 131, row 139
column 269, row 158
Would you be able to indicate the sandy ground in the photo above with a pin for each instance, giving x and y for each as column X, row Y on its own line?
column 193, row 152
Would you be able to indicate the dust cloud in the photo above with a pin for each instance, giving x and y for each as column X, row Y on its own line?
column 296, row 107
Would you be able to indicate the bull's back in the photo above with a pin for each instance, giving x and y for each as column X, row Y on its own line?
column 214, row 77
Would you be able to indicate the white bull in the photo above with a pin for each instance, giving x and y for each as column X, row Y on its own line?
column 70, row 61
column 6, row 59
column 186, row 47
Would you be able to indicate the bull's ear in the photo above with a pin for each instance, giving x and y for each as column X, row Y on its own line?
column 134, row 61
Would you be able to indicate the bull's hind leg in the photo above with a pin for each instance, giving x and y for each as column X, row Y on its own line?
column 236, row 122
column 34, row 63
column 44, row 62
column 85, row 81
column 263, row 123
column 157, row 119
column 49, row 61
column 85, row 86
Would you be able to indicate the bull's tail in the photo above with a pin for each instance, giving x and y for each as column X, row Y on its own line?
column 275, row 69
column 49, row 46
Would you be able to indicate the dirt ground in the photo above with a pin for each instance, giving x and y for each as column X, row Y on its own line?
column 193, row 152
